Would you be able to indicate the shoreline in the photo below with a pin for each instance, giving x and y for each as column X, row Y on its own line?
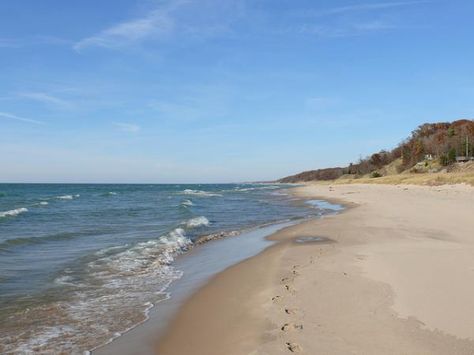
column 250, row 242
column 247, row 242
column 339, row 294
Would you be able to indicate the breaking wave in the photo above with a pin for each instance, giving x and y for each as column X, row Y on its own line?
column 13, row 213
column 187, row 203
column 68, row 197
column 197, row 222
column 253, row 188
column 117, row 291
column 200, row 193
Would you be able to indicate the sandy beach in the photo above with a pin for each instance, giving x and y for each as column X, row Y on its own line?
column 392, row 274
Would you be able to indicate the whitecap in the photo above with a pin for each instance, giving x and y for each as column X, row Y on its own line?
column 68, row 197
column 260, row 187
column 13, row 213
column 200, row 193
column 197, row 222
column 187, row 203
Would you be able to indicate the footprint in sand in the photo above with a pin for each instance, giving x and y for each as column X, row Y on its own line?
column 290, row 326
column 293, row 347
column 294, row 270
column 276, row 298
column 290, row 311
column 290, row 289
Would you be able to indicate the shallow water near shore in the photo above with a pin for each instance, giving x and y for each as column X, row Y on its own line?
column 198, row 267
column 82, row 264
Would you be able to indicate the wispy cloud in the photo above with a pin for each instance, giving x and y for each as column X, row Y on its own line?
column 46, row 99
column 169, row 19
column 363, row 7
column 127, row 127
column 183, row 110
column 18, row 118
column 346, row 30
column 156, row 23
column 351, row 20
column 376, row 25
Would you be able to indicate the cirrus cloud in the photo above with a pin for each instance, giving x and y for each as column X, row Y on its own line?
column 127, row 127
column 19, row 118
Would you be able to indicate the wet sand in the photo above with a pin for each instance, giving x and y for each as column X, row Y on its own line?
column 392, row 274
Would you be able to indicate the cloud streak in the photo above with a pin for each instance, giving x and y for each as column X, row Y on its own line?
column 171, row 19
column 348, row 21
column 156, row 23
column 45, row 99
column 365, row 7
column 346, row 30
column 127, row 127
column 18, row 118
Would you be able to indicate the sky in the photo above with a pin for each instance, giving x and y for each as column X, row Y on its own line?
column 211, row 91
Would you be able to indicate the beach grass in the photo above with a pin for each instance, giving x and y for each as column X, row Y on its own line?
column 429, row 179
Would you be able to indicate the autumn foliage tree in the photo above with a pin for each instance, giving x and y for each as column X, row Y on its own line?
column 443, row 141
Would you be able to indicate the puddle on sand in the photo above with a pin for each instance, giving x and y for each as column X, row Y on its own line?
column 317, row 240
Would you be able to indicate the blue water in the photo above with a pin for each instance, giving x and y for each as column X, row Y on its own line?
column 80, row 264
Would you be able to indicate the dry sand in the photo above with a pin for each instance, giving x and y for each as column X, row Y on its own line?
column 396, row 277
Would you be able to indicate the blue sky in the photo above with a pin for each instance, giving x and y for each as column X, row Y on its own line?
column 222, row 90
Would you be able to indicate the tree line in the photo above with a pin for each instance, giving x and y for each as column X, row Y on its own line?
column 443, row 141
